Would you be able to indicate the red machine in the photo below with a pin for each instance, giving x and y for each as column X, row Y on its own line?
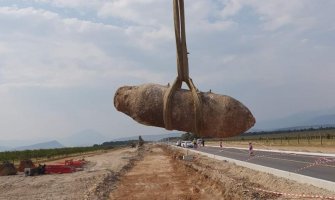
column 75, row 163
column 69, row 166
column 59, row 169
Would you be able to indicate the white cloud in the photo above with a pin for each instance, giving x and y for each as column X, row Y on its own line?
column 65, row 55
column 93, row 4
column 276, row 14
column 143, row 12
column 231, row 8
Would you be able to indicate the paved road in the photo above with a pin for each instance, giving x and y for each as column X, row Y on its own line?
column 314, row 166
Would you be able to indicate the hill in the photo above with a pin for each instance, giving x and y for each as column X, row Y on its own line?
column 305, row 119
column 86, row 137
column 44, row 145
column 3, row 148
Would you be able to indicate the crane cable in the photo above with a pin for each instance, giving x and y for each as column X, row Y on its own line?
column 183, row 72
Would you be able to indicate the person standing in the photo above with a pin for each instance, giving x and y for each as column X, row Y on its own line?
column 221, row 146
column 251, row 149
column 203, row 142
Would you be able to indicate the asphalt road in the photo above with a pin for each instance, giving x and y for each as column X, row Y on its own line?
column 321, row 167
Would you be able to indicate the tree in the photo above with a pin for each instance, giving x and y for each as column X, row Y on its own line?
column 188, row 136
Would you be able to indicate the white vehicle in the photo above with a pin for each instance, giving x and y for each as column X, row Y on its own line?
column 183, row 144
column 189, row 144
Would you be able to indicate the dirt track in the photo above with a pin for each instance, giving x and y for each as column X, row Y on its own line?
column 158, row 176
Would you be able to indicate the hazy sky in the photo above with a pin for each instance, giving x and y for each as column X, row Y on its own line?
column 62, row 60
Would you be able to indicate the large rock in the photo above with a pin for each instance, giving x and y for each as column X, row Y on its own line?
column 223, row 116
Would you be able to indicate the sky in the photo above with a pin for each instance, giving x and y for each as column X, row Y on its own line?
column 61, row 61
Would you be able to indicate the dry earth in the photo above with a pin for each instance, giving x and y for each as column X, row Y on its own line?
column 158, row 176
column 79, row 185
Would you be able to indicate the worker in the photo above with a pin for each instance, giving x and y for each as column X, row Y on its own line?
column 199, row 142
column 194, row 143
column 251, row 150
column 221, row 146
column 203, row 142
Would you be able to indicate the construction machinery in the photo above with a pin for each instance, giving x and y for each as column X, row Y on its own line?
column 67, row 166
column 7, row 168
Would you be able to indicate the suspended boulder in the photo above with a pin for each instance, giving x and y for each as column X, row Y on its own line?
column 222, row 116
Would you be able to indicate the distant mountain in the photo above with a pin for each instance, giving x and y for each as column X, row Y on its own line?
column 150, row 137
column 324, row 119
column 3, row 148
column 254, row 130
column 306, row 127
column 306, row 119
column 44, row 145
column 86, row 137
column 22, row 142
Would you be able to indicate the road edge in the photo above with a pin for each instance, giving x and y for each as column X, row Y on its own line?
column 328, row 185
column 282, row 151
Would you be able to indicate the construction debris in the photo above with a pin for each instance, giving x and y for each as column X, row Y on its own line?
column 35, row 171
column 25, row 164
column 188, row 157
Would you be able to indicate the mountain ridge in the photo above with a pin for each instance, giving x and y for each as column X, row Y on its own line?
column 53, row 144
column 87, row 137
column 307, row 119
column 149, row 137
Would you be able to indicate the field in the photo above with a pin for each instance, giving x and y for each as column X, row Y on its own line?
column 153, row 172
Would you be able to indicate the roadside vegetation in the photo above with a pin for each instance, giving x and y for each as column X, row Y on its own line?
column 302, row 137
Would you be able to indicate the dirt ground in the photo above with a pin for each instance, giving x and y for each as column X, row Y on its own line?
column 158, row 176
column 79, row 185
column 163, row 175
column 154, row 172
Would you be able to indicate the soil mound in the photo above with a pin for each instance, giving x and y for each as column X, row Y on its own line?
column 7, row 168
